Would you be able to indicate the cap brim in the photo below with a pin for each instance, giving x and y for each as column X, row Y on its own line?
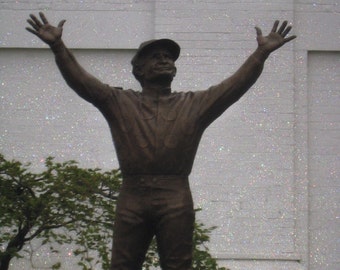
column 169, row 44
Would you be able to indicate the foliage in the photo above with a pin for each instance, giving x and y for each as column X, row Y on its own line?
column 202, row 259
column 66, row 204
column 62, row 205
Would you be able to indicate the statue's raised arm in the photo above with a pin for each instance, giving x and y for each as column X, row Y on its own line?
column 86, row 85
column 234, row 87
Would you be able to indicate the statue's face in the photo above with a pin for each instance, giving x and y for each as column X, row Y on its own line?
column 158, row 65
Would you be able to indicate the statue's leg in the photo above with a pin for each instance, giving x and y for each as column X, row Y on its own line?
column 174, row 232
column 132, row 234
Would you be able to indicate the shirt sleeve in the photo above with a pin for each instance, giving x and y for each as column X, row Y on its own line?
column 215, row 100
column 211, row 103
column 103, row 96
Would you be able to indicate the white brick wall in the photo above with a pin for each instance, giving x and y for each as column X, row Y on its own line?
column 252, row 171
column 324, row 161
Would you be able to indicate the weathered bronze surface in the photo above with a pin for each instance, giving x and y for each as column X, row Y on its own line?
column 156, row 133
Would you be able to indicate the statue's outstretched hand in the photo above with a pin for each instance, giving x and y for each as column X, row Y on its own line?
column 42, row 29
column 275, row 39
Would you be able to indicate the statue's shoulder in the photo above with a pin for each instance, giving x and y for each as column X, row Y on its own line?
column 129, row 95
column 122, row 91
column 184, row 94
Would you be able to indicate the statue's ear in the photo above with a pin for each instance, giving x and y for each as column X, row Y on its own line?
column 139, row 71
column 175, row 72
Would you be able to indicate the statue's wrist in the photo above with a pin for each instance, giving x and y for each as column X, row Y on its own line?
column 57, row 46
column 260, row 55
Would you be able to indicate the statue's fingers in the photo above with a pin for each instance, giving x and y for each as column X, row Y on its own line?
column 32, row 31
column 43, row 18
column 35, row 20
column 33, row 24
column 258, row 31
column 286, row 31
column 61, row 23
column 289, row 39
column 282, row 28
column 276, row 24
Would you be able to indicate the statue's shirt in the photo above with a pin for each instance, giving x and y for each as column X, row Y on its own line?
column 159, row 135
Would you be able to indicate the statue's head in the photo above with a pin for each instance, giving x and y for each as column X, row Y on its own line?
column 159, row 54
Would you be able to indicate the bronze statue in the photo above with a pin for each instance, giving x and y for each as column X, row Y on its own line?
column 156, row 133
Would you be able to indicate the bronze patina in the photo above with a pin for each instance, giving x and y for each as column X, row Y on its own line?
column 156, row 133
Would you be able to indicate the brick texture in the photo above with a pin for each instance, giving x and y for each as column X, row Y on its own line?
column 251, row 174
